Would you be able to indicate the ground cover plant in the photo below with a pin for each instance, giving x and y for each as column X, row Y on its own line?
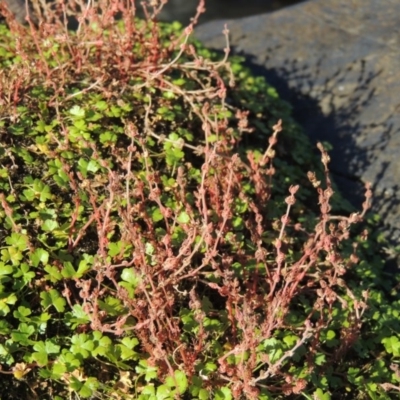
column 168, row 232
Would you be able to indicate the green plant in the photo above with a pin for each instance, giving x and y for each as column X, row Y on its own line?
column 161, row 237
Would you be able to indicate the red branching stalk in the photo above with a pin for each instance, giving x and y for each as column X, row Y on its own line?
column 170, row 277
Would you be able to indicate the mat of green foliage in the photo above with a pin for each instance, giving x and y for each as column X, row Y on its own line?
column 161, row 238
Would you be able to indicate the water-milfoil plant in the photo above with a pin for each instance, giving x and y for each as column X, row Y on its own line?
column 154, row 245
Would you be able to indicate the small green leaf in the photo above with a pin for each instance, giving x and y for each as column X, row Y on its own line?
column 149, row 249
column 53, row 298
column 80, row 124
column 156, row 215
column 43, row 349
column 115, row 111
column 223, row 394
column 129, row 275
column 179, row 81
column 114, row 249
column 149, row 372
column 168, row 95
column 126, row 352
column 23, row 333
column 101, row 344
column 54, row 273
column 179, row 381
column 212, row 138
column 5, row 301
column 68, row 270
column 272, row 92
column 89, row 387
column 5, row 269
column 77, row 111
column 25, row 274
column 320, row 395
column 83, row 167
column 70, row 360
column 49, row 225
column 11, row 254
column 237, row 222
column 22, row 313
column 39, row 256
column 112, row 306
column 189, row 321
column 392, row 345
column 5, row 355
column 78, row 312
column 75, row 384
column 320, row 359
column 18, row 241
column 174, row 155
column 203, row 394
column 76, row 317
column 183, row 217
column 273, row 348
column 101, row 105
column 352, row 374
column 93, row 166
column 149, row 390
column 290, row 340
column 81, row 346
column 164, row 392
column 210, row 367
column 42, row 190
column 108, row 138
column 58, row 370
column 84, row 266
column 130, row 343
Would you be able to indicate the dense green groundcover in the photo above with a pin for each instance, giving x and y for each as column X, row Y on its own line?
column 138, row 253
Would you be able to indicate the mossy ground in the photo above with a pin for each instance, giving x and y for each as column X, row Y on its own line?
column 146, row 247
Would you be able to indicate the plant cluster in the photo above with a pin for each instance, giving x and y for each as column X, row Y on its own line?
column 167, row 232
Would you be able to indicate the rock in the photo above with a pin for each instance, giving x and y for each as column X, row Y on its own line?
column 21, row 9
column 337, row 63
column 182, row 10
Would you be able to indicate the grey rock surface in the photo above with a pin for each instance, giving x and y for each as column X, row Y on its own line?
column 178, row 10
column 21, row 9
column 184, row 10
column 338, row 63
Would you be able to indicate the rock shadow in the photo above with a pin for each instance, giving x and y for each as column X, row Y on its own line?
column 329, row 108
